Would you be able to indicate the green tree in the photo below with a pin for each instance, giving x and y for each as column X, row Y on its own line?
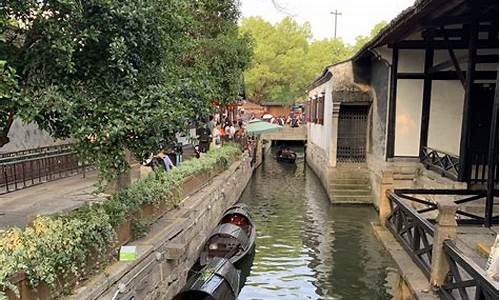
column 285, row 59
column 361, row 40
column 278, row 64
column 117, row 75
column 325, row 52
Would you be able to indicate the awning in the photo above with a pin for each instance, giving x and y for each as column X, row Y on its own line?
column 256, row 127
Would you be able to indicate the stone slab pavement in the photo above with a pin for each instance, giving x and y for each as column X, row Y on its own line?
column 475, row 240
column 19, row 208
column 413, row 276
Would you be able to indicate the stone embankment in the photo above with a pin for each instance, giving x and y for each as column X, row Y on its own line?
column 165, row 255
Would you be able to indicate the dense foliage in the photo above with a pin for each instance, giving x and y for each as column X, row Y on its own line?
column 117, row 75
column 285, row 59
column 57, row 248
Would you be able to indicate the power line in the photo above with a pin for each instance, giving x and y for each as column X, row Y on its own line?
column 281, row 8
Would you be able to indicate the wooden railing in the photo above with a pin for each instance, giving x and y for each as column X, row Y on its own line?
column 461, row 197
column 444, row 163
column 478, row 167
column 463, row 279
column 448, row 165
column 466, row 280
column 413, row 232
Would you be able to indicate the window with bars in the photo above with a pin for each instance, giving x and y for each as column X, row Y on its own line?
column 314, row 109
column 308, row 110
column 321, row 109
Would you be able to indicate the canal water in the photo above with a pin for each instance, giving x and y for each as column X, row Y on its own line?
column 306, row 247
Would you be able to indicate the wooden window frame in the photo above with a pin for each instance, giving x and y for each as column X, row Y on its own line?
column 321, row 109
column 308, row 108
column 314, row 110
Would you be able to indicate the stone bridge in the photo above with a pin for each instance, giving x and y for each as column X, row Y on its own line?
column 287, row 134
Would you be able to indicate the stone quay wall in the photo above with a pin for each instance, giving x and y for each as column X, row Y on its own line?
column 172, row 245
column 318, row 161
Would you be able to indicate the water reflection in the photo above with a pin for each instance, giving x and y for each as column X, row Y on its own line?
column 307, row 248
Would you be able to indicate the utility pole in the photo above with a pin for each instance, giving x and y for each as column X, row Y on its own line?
column 335, row 13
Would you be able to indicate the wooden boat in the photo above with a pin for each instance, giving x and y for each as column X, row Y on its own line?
column 233, row 239
column 218, row 280
column 286, row 155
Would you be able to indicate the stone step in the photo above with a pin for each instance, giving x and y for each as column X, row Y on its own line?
column 364, row 192
column 336, row 199
column 350, row 186
column 400, row 176
column 350, row 174
column 358, row 181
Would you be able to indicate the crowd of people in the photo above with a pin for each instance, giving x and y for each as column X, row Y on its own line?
column 218, row 130
column 292, row 120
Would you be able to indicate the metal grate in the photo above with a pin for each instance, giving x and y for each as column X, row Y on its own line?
column 22, row 169
column 351, row 141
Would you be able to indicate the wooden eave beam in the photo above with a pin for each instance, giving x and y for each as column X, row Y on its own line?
column 446, row 64
column 441, row 44
column 453, row 32
column 487, row 59
column 454, row 20
column 481, row 59
column 449, row 75
column 453, row 58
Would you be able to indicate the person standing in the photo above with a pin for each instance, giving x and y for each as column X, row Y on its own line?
column 211, row 124
column 204, row 134
column 230, row 131
column 217, row 135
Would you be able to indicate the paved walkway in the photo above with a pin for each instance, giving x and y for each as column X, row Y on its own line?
column 475, row 240
column 20, row 207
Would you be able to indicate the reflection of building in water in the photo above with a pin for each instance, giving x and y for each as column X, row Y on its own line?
column 307, row 248
column 343, row 248
column 319, row 234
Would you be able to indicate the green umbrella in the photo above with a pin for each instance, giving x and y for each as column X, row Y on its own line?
column 256, row 127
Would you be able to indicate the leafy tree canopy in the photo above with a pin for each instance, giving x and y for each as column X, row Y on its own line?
column 361, row 40
column 285, row 59
column 117, row 75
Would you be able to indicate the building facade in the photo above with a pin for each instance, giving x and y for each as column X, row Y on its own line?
column 417, row 102
column 276, row 109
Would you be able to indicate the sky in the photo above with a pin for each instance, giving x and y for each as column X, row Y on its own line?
column 358, row 16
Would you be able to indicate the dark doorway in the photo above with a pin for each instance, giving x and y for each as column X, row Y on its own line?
column 351, row 141
column 480, row 126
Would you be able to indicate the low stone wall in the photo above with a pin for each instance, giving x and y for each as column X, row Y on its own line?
column 407, row 173
column 169, row 250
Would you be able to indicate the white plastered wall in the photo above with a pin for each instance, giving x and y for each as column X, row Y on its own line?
column 321, row 134
column 447, row 99
column 445, row 119
column 409, row 104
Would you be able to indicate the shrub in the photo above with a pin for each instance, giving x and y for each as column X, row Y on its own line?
column 57, row 249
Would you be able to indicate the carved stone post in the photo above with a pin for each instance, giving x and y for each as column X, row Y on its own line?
column 332, row 157
column 384, row 204
column 446, row 228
